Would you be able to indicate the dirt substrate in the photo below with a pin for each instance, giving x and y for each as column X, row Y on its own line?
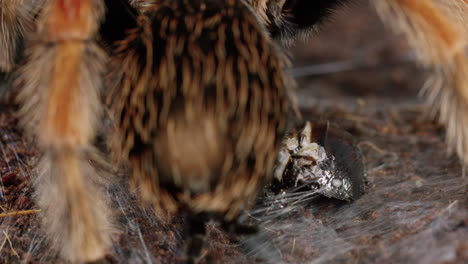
column 415, row 209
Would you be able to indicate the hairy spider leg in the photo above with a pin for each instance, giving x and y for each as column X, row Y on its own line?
column 61, row 108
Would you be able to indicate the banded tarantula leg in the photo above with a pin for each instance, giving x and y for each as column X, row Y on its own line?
column 61, row 108
column 437, row 31
column 197, row 234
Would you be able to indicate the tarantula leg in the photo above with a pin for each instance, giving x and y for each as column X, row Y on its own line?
column 197, row 235
column 439, row 35
column 61, row 107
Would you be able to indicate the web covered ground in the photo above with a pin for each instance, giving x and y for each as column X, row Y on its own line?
column 415, row 209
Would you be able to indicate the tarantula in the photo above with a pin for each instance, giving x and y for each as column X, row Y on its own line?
column 199, row 103
column 197, row 95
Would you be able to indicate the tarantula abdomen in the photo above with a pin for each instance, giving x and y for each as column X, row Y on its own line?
column 200, row 110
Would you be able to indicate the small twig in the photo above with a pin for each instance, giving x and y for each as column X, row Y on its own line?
column 373, row 146
column 452, row 204
column 18, row 213
column 3, row 244
column 294, row 246
column 11, row 245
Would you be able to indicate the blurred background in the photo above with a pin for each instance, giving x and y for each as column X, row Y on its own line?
column 354, row 56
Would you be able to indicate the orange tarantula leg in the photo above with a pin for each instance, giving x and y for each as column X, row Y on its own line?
column 61, row 107
column 440, row 36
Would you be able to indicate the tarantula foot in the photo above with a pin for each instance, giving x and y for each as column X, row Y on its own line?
column 197, row 234
column 195, row 248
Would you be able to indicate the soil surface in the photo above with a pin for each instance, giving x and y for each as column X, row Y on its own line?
column 415, row 209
